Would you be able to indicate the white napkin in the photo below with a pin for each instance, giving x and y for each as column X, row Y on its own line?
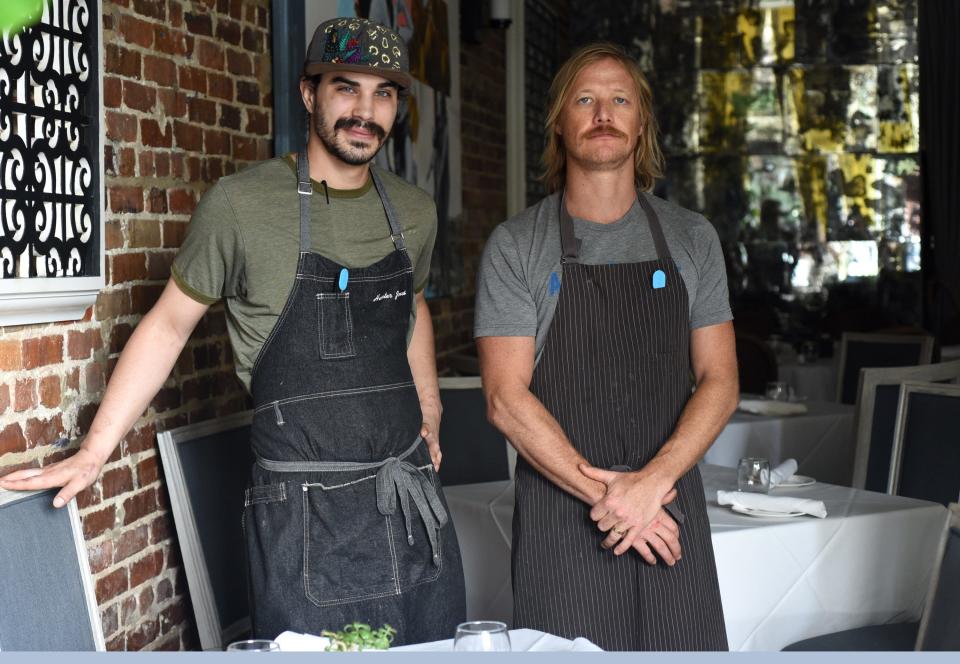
column 783, row 504
column 296, row 642
column 770, row 407
column 784, row 471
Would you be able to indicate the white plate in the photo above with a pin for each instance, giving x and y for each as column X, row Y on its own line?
column 764, row 513
column 795, row 481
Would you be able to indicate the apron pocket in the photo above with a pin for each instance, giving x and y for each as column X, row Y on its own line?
column 348, row 548
column 335, row 326
column 415, row 561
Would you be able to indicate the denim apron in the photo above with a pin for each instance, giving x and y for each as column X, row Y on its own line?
column 615, row 373
column 344, row 519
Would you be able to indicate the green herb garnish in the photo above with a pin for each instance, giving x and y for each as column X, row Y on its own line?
column 359, row 636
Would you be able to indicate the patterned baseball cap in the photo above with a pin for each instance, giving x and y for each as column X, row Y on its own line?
column 360, row 45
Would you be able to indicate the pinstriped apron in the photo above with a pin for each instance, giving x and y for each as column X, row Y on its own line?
column 344, row 519
column 615, row 373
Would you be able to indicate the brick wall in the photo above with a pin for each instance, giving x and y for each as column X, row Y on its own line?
column 187, row 100
column 484, row 140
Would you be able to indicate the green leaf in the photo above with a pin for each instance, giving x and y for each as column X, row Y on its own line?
column 16, row 15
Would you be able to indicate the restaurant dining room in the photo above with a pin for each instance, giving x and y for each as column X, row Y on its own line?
column 566, row 326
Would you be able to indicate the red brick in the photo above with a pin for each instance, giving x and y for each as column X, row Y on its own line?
column 121, row 127
column 244, row 148
column 147, row 568
column 44, row 432
column 139, row 97
column 170, row 644
column 153, row 8
column 239, row 63
column 128, row 611
column 199, row 24
column 258, row 122
column 229, row 117
column 73, row 380
column 112, row 92
column 162, row 71
column 253, row 40
column 139, row 505
column 128, row 267
column 111, row 585
column 176, row 14
column 147, row 471
column 160, row 529
column 142, row 298
column 117, row 643
column 164, row 591
column 25, row 395
column 100, row 556
column 95, row 523
column 113, row 304
column 89, row 497
column 113, row 235
column 81, row 344
column 229, row 31
column 248, row 92
column 220, row 86
column 153, row 135
column 174, row 103
column 216, row 142
column 146, row 164
column 131, row 541
column 122, row 61
column 210, row 54
column 109, row 619
column 174, row 233
column 135, row 31
column 12, row 440
column 49, row 392
column 144, row 232
column 142, row 635
column 188, row 137
column 127, row 162
column 4, row 398
column 158, row 265
column 126, row 199
column 202, row 110
column 173, row 42
column 172, row 616
column 157, row 200
column 162, row 161
column 140, row 440
column 145, row 600
column 193, row 78
column 42, row 351
column 262, row 17
column 10, row 357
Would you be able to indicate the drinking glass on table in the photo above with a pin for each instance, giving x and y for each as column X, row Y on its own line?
column 778, row 390
column 753, row 475
column 254, row 645
column 482, row 636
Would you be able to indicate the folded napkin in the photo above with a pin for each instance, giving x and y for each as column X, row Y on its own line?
column 770, row 407
column 784, row 471
column 296, row 642
column 782, row 504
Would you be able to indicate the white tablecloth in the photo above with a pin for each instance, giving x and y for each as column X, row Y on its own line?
column 821, row 440
column 781, row 580
column 521, row 640
column 816, row 381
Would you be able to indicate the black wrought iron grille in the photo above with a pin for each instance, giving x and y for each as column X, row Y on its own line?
column 49, row 145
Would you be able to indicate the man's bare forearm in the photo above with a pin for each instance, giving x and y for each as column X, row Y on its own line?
column 422, row 358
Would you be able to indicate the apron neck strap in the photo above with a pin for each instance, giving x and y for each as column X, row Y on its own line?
column 571, row 244
column 305, row 190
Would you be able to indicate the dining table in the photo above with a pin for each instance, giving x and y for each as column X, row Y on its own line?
column 821, row 440
column 781, row 579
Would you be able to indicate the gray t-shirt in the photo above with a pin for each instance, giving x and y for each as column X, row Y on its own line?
column 520, row 273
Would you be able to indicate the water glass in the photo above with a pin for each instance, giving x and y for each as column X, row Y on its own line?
column 254, row 645
column 753, row 475
column 778, row 390
column 482, row 636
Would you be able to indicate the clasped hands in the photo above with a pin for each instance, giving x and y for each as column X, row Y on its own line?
column 631, row 513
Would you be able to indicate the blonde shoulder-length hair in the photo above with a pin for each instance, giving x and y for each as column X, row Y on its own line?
column 647, row 158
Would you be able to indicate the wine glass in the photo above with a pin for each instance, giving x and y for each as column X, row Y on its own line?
column 254, row 645
column 482, row 636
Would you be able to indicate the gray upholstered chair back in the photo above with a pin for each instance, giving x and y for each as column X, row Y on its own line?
column 877, row 399
column 940, row 625
column 860, row 351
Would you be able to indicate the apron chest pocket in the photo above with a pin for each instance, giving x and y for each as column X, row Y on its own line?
column 334, row 326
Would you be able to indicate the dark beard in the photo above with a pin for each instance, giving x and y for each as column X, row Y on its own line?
column 329, row 138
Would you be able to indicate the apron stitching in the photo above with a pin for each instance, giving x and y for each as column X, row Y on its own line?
column 335, row 393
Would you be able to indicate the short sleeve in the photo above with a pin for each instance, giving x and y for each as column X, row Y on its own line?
column 421, row 271
column 209, row 265
column 505, row 306
column 712, row 303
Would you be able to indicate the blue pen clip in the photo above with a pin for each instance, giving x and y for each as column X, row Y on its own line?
column 344, row 277
column 659, row 279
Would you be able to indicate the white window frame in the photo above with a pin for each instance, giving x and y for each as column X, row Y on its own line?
column 46, row 299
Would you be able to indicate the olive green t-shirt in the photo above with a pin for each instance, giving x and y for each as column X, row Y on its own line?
column 244, row 241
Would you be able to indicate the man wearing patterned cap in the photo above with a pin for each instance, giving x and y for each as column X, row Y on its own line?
column 322, row 261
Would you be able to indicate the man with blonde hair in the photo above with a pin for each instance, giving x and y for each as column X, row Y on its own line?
column 595, row 307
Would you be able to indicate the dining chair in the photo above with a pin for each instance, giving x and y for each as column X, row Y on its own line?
column 756, row 364
column 473, row 449
column 925, row 461
column 859, row 351
column 939, row 625
column 876, row 413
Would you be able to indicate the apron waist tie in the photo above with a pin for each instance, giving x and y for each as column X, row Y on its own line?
column 395, row 476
